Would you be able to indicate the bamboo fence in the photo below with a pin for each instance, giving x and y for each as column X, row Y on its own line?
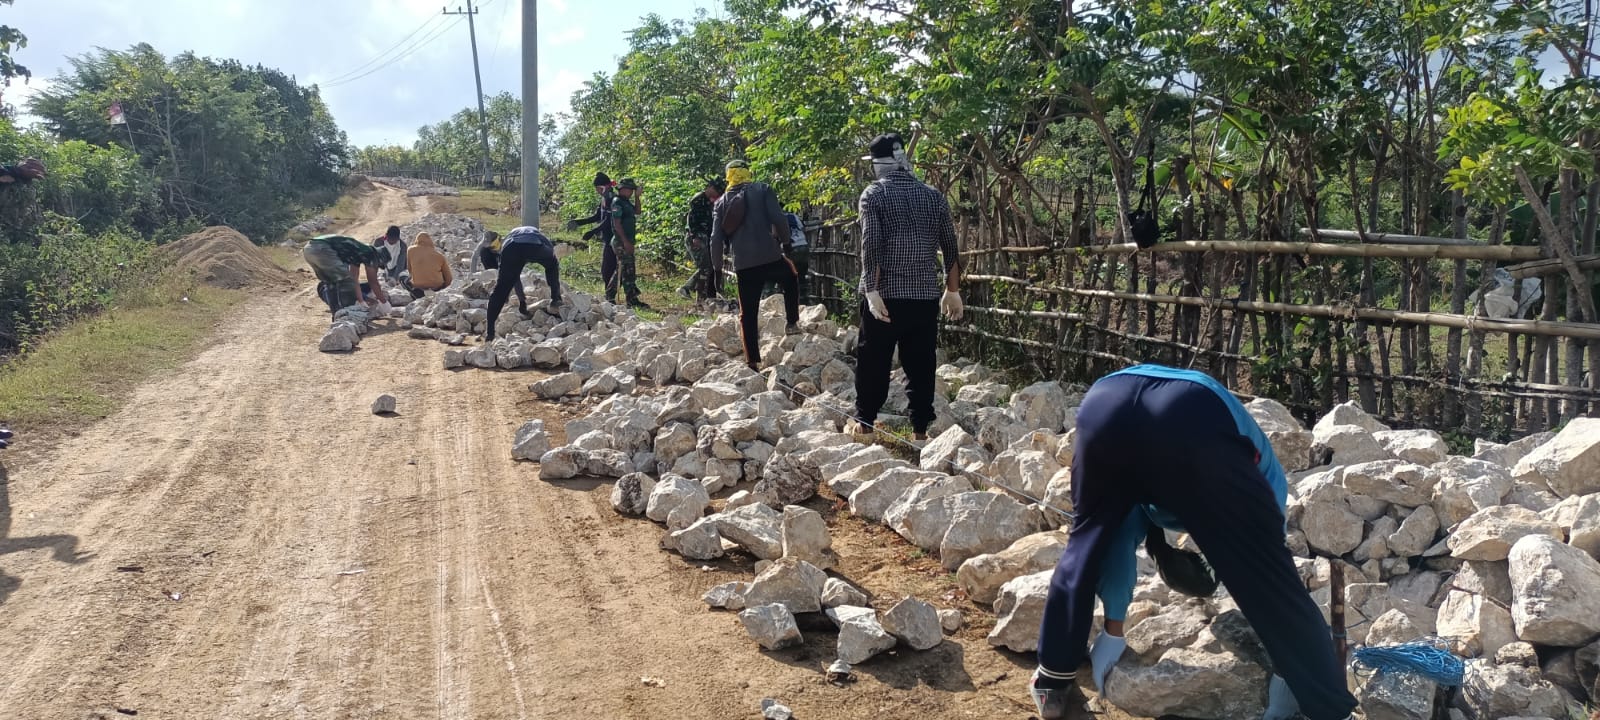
column 1279, row 319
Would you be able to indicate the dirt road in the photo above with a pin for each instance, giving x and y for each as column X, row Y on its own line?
column 245, row 540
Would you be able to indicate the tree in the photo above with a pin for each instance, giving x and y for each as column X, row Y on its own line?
column 229, row 145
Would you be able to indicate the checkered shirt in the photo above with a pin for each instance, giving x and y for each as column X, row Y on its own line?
column 904, row 225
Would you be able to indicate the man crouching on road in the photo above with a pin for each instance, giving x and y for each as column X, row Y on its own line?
column 337, row 262
column 905, row 228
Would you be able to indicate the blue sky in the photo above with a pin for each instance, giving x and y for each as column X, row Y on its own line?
column 330, row 42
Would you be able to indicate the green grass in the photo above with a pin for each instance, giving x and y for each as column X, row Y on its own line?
column 88, row 369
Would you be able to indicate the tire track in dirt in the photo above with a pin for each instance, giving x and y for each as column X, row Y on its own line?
column 334, row 564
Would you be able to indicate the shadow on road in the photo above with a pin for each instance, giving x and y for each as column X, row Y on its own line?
column 64, row 547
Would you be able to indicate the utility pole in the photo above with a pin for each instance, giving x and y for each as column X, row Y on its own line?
column 530, row 113
column 477, row 75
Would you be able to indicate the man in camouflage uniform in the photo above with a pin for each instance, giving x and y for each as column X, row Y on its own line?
column 704, row 281
column 624, row 222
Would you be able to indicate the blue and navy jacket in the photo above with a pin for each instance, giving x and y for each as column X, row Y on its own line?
column 1121, row 565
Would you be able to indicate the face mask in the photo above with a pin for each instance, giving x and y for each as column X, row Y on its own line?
column 883, row 166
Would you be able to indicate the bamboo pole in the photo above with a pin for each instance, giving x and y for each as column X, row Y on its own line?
column 1553, row 266
column 1465, row 322
column 1384, row 238
column 1446, row 252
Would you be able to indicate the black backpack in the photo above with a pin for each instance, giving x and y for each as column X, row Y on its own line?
column 1141, row 222
column 733, row 209
column 1184, row 571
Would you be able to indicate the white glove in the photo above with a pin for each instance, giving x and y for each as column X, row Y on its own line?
column 876, row 307
column 1107, row 650
column 1281, row 704
column 951, row 305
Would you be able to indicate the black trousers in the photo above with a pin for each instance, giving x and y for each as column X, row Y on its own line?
column 1175, row 445
column 513, row 258
column 609, row 269
column 751, row 280
column 913, row 327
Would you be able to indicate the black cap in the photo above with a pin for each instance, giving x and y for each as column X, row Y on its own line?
column 720, row 184
column 884, row 146
column 601, row 178
column 628, row 184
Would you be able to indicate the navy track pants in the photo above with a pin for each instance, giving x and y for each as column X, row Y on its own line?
column 1174, row 444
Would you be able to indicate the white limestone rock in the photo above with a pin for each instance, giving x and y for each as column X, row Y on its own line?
column 982, row 576
column 771, row 625
column 1555, row 592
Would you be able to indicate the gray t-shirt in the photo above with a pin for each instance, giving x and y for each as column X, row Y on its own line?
column 752, row 244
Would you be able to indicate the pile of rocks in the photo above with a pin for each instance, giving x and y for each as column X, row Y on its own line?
column 313, row 226
column 1495, row 553
column 415, row 187
column 344, row 335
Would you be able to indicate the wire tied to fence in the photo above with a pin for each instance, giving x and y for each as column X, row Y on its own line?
column 1425, row 658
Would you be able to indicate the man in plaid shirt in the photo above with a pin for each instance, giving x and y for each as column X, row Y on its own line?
column 905, row 229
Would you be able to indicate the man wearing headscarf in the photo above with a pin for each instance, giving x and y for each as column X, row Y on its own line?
column 905, row 229
column 749, row 221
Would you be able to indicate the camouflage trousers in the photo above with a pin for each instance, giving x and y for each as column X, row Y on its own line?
column 627, row 275
column 703, row 281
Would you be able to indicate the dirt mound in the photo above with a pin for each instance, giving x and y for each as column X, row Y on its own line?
column 220, row 256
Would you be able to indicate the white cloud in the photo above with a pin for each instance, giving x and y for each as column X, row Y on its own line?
column 555, row 94
column 18, row 95
column 571, row 35
column 559, row 6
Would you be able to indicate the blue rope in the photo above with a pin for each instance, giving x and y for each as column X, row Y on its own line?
column 1426, row 658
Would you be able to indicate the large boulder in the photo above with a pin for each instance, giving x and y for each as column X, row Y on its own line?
column 1042, row 405
column 1489, row 533
column 1570, row 463
column 968, row 524
column 699, row 541
column 1415, row 534
column 1326, row 518
column 1291, row 442
column 677, row 501
column 954, row 447
column 1492, row 692
column 1397, row 696
column 531, row 441
column 1027, row 470
column 1349, row 413
column 1020, row 609
column 771, row 625
column 982, row 576
column 1423, row 447
column 631, row 493
column 557, row 386
column 1349, row 445
column 914, row 623
column 1177, row 626
column 1478, row 625
column 757, row 528
column 836, row 592
column 935, row 486
column 860, row 634
column 1466, row 486
column 805, row 536
column 795, row 584
column 1393, row 481
column 874, row 497
column 1190, row 683
column 1555, row 592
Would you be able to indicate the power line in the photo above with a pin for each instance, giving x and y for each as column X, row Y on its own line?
column 477, row 77
column 408, row 53
column 363, row 66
